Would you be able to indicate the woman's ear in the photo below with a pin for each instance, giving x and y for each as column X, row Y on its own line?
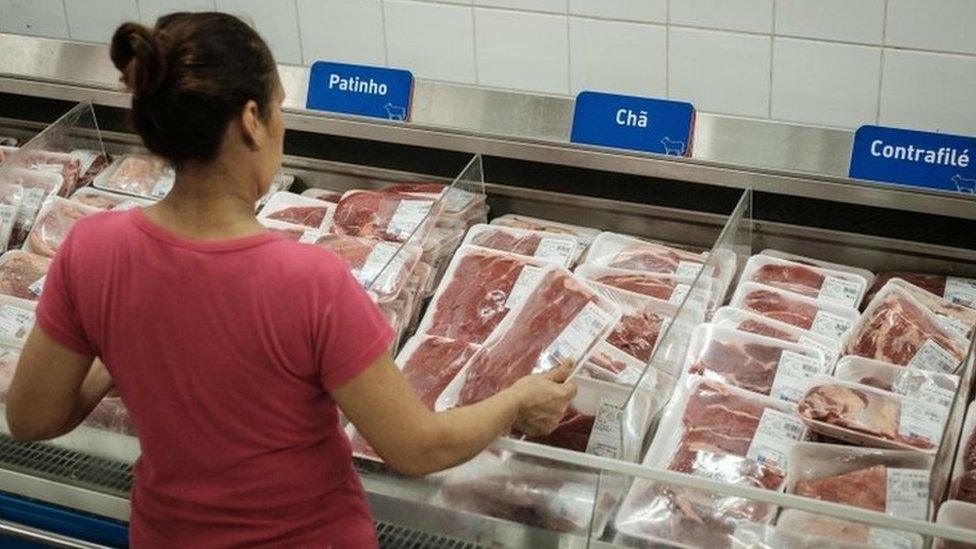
column 251, row 125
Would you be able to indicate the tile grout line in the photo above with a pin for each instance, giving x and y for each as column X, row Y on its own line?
column 386, row 47
column 474, row 46
column 772, row 58
column 884, row 56
column 569, row 54
column 298, row 29
column 67, row 24
column 667, row 49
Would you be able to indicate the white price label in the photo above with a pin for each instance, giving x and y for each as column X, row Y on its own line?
column 33, row 197
column 630, row 376
column 456, row 200
column 37, row 286
column 679, row 293
column 907, row 493
column 830, row 325
column 556, row 249
column 15, row 322
column 689, row 269
column 953, row 325
column 378, row 258
column 830, row 352
column 606, row 439
column 7, row 214
column 408, row 216
column 165, row 183
column 917, row 385
column 575, row 338
column 932, row 357
column 921, row 420
column 524, row 284
column 840, row 290
column 878, row 537
column 793, row 375
column 775, row 437
column 961, row 291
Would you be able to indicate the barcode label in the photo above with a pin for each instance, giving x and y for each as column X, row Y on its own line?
column 830, row 325
column 961, row 291
column 955, row 326
column 7, row 214
column 840, row 290
column 830, row 351
column 907, row 493
column 606, row 438
column 165, row 183
column 575, row 339
column 921, row 420
column 688, row 269
column 37, row 286
column 15, row 322
column 556, row 249
column 793, row 375
column 775, row 437
column 932, row 357
column 918, row 385
column 456, row 200
column 679, row 293
column 378, row 258
column 408, row 216
column 524, row 284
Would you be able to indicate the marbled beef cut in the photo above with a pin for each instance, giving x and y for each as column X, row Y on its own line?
column 309, row 216
column 637, row 333
column 384, row 216
column 51, row 230
column 641, row 283
column 654, row 258
column 780, row 307
column 500, row 239
column 573, row 432
column 433, row 364
column 751, row 366
column 865, row 488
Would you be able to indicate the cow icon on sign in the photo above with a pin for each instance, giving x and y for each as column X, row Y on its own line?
column 964, row 185
column 673, row 148
column 395, row 112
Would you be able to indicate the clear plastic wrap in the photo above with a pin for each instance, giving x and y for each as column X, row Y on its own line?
column 459, row 206
column 956, row 513
column 868, row 416
column 642, row 321
column 66, row 165
column 299, row 210
column 280, row 183
column 756, row 363
column 585, row 235
column 748, row 321
column 385, row 216
column 827, row 319
column 383, row 267
column 477, row 292
column 966, row 453
column 863, row 273
column 821, row 532
column 328, row 195
column 556, row 324
column 608, row 363
column 54, row 221
column 22, row 274
column 837, row 287
column 896, row 328
column 37, row 187
column 670, row 288
column 954, row 289
column 143, row 175
column 105, row 200
column 11, row 201
column 935, row 387
column 957, row 318
column 559, row 249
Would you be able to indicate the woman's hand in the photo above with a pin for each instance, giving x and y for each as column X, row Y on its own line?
column 543, row 400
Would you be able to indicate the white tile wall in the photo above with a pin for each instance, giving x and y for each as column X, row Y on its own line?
column 813, row 61
column 720, row 71
column 529, row 51
column 444, row 51
column 628, row 58
column 96, row 20
column 805, row 78
column 276, row 20
column 844, row 20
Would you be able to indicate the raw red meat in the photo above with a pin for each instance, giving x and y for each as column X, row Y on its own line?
column 764, row 329
column 897, row 329
column 867, row 412
column 864, row 488
column 555, row 303
column 371, row 214
column 719, row 421
column 965, row 487
column 654, row 258
column 733, row 468
column 414, row 188
column 51, row 230
column 751, row 366
column 385, row 273
column 969, row 458
column 780, row 307
column 111, row 415
column 644, row 284
column 875, row 382
column 137, row 174
column 55, row 162
column 434, row 364
column 573, row 432
column 794, row 278
column 473, row 301
column 309, row 216
column 19, row 271
column 499, row 239
column 636, row 334
column 323, row 194
column 961, row 319
column 37, row 187
column 932, row 283
column 607, row 362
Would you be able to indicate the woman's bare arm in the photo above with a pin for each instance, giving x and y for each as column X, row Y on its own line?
column 415, row 441
column 53, row 390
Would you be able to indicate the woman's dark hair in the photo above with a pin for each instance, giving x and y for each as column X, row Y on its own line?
column 190, row 75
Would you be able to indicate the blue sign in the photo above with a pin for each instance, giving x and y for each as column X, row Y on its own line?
column 358, row 89
column 918, row 159
column 636, row 123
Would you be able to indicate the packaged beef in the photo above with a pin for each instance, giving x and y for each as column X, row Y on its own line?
column 457, row 204
column 382, row 267
column 837, row 287
column 559, row 249
column 22, row 274
column 722, row 433
column 670, row 288
column 143, row 175
column 93, row 162
column 822, row 318
column 299, row 210
column 555, row 325
column 385, row 216
column 37, row 187
column 643, row 320
column 868, row 416
column 959, row 514
column 753, row 362
column 896, row 328
column 820, row 531
column 934, row 387
column 64, row 164
column 608, row 363
column 104, row 200
column 479, row 289
column 288, row 231
column 327, row 195
column 814, row 262
column 16, row 318
column 954, row 289
column 957, row 318
column 585, row 235
column 54, row 221
column 748, row 321
column 11, row 201
column 111, row 415
column 966, row 453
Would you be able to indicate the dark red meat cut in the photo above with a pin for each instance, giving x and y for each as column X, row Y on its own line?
column 644, row 284
column 573, row 432
column 636, row 334
column 50, row 231
column 779, row 307
column 969, row 458
column 751, row 366
column 433, row 364
column 309, row 216
column 653, row 258
column 545, row 313
column 794, row 278
column 500, row 239
column 865, row 488
column 473, row 300
column 764, row 329
column 371, row 214
column 933, row 283
column 965, row 487
column 414, row 188
column 20, row 271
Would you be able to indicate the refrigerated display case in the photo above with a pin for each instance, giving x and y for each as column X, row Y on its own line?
column 750, row 186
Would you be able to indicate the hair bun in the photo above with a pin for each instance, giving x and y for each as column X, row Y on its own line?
column 137, row 53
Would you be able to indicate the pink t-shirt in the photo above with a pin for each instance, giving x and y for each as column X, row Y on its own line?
column 224, row 353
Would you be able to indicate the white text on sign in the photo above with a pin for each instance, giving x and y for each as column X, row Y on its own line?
column 354, row 84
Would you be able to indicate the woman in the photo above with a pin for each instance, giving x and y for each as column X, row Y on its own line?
column 232, row 348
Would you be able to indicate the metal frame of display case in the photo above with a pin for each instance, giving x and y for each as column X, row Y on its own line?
column 753, row 156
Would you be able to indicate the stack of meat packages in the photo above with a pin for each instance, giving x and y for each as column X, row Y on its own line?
column 793, row 340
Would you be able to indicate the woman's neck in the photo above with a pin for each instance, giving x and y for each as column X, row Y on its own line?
column 212, row 202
